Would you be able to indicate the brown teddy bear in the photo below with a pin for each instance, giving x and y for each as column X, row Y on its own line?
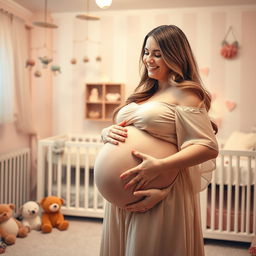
column 10, row 228
column 52, row 217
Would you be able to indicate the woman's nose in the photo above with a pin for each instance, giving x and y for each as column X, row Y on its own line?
column 150, row 59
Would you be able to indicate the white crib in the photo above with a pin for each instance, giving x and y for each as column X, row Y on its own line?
column 65, row 169
column 228, row 205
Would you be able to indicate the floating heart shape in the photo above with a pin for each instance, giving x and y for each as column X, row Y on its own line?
column 231, row 105
column 205, row 71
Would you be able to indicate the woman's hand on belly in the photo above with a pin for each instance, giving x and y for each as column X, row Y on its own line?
column 141, row 175
column 114, row 134
column 151, row 198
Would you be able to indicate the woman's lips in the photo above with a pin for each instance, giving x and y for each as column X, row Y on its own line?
column 152, row 68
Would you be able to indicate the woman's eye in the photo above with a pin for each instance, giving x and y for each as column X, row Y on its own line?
column 158, row 56
column 146, row 53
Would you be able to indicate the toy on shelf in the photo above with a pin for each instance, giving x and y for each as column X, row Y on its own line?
column 94, row 114
column 52, row 216
column 94, row 95
column 30, row 215
column 113, row 97
column 10, row 228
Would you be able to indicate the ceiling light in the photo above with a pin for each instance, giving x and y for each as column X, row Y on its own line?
column 104, row 4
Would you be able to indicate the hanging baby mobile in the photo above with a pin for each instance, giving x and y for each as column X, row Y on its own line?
column 86, row 42
column 44, row 53
column 229, row 49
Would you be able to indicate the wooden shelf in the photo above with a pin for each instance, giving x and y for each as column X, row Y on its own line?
column 101, row 99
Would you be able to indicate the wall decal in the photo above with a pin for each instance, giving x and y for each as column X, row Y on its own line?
column 204, row 71
column 230, row 105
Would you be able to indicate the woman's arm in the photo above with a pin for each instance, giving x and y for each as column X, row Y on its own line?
column 150, row 168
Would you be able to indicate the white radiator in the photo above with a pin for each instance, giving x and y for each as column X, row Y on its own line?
column 15, row 177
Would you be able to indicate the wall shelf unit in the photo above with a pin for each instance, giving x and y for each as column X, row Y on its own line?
column 101, row 99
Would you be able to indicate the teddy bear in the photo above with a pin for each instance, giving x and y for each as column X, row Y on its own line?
column 10, row 228
column 30, row 215
column 52, row 216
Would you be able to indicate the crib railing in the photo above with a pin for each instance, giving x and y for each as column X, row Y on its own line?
column 68, row 173
column 229, row 202
column 15, row 177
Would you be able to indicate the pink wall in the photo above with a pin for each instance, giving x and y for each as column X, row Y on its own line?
column 10, row 139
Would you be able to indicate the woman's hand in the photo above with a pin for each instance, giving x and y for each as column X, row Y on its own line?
column 148, row 170
column 152, row 197
column 115, row 133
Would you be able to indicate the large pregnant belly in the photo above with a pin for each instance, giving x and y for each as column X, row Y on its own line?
column 112, row 160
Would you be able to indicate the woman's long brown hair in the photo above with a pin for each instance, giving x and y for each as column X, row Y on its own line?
column 177, row 54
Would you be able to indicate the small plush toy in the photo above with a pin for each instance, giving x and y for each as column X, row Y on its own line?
column 2, row 246
column 30, row 215
column 10, row 228
column 52, row 217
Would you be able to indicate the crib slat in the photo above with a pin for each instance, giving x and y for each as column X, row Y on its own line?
column 77, row 182
column 229, row 194
column 59, row 177
column 221, row 195
column 86, row 177
column 49, row 191
column 68, row 179
column 237, row 193
column 10, row 170
column 213, row 202
column 248, row 199
column 18, row 175
column 243, row 209
column 6, row 180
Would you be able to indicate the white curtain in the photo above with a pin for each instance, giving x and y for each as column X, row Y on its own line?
column 23, row 101
column 6, row 70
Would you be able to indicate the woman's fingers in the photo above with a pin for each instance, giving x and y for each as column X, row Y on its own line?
column 132, row 182
column 130, row 172
column 141, row 185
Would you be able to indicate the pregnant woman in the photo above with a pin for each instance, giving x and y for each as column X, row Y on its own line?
column 157, row 157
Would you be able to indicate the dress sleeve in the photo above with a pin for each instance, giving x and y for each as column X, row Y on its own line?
column 193, row 127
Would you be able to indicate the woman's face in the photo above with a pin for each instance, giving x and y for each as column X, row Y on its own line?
column 152, row 58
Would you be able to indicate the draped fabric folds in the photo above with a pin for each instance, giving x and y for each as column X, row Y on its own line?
column 15, row 91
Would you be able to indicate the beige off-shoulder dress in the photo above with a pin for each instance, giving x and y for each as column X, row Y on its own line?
column 172, row 227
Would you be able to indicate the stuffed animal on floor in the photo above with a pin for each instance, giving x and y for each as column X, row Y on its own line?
column 30, row 215
column 10, row 228
column 52, row 216
column 2, row 246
